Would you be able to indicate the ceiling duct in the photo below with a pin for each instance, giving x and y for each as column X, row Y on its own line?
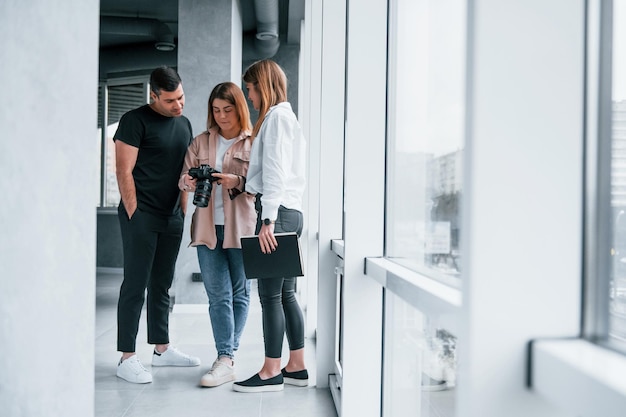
column 145, row 30
column 266, row 41
column 164, row 38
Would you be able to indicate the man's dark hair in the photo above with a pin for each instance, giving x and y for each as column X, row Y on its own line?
column 164, row 78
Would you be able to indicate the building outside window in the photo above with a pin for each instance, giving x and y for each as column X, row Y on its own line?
column 426, row 128
column 617, row 307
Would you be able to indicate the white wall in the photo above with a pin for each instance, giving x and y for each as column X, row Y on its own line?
column 363, row 206
column 49, row 180
column 522, row 219
column 326, row 181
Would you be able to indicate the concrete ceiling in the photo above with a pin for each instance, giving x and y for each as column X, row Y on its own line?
column 130, row 28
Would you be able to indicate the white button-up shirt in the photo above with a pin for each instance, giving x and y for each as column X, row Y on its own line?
column 278, row 161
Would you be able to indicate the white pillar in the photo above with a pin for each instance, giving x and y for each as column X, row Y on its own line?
column 522, row 207
column 49, row 169
column 209, row 53
column 366, row 81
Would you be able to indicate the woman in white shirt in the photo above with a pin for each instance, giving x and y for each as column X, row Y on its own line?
column 277, row 177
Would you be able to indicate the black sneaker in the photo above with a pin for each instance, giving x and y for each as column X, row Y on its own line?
column 256, row 384
column 298, row 378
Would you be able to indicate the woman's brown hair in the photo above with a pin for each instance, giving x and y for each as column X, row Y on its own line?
column 233, row 94
column 270, row 81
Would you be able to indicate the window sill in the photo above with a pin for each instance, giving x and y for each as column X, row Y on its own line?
column 337, row 246
column 579, row 377
column 428, row 295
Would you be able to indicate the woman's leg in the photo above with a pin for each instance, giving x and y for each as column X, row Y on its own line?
column 241, row 293
column 292, row 221
column 294, row 326
column 216, row 278
column 270, row 294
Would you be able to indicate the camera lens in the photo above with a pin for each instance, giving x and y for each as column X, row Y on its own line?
column 203, row 193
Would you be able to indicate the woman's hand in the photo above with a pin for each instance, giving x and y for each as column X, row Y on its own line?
column 186, row 183
column 266, row 238
column 228, row 180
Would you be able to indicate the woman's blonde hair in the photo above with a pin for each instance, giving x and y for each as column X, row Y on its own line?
column 270, row 82
column 233, row 94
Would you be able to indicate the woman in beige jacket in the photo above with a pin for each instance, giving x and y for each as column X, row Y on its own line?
column 216, row 228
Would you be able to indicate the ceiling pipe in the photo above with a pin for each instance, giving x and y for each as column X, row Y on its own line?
column 266, row 40
column 142, row 28
column 164, row 38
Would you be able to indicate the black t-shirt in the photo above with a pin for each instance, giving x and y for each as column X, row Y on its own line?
column 162, row 143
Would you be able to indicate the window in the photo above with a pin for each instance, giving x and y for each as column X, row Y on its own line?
column 617, row 305
column 426, row 131
column 420, row 381
column 115, row 99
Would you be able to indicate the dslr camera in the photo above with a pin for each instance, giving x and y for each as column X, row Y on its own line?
column 204, row 185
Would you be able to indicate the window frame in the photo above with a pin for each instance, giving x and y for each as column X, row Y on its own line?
column 104, row 108
column 595, row 321
column 589, row 364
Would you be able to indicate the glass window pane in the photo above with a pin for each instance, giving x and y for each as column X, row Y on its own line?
column 99, row 139
column 121, row 98
column 426, row 132
column 420, row 366
column 617, row 316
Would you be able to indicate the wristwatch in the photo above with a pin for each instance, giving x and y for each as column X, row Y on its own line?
column 267, row 222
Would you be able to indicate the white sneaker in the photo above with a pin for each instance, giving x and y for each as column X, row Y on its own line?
column 133, row 371
column 219, row 374
column 173, row 357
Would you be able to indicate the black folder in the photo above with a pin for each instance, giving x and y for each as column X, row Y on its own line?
column 284, row 262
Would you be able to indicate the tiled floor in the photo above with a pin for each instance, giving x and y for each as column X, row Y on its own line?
column 175, row 391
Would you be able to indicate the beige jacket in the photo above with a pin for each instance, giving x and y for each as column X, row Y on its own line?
column 239, row 213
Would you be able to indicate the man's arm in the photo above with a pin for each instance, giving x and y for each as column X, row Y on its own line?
column 125, row 159
column 183, row 202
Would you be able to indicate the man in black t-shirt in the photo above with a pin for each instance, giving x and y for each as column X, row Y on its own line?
column 150, row 145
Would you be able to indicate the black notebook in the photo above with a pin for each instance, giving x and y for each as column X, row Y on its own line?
column 284, row 262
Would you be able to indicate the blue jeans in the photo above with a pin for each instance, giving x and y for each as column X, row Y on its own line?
column 229, row 293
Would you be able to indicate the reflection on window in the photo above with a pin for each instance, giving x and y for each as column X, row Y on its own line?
column 425, row 131
column 420, row 363
column 617, row 317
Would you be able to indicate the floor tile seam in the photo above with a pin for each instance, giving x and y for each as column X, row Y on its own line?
column 139, row 393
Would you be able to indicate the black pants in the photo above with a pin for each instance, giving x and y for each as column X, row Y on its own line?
column 280, row 309
column 151, row 244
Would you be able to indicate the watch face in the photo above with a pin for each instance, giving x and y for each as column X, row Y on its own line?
column 266, row 222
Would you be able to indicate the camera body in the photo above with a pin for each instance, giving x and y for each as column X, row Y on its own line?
column 204, row 175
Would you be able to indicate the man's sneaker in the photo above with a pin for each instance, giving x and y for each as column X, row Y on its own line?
column 256, row 384
column 219, row 374
column 133, row 371
column 298, row 378
column 173, row 357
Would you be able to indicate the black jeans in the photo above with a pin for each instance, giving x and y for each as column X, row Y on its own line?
column 151, row 244
column 280, row 309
